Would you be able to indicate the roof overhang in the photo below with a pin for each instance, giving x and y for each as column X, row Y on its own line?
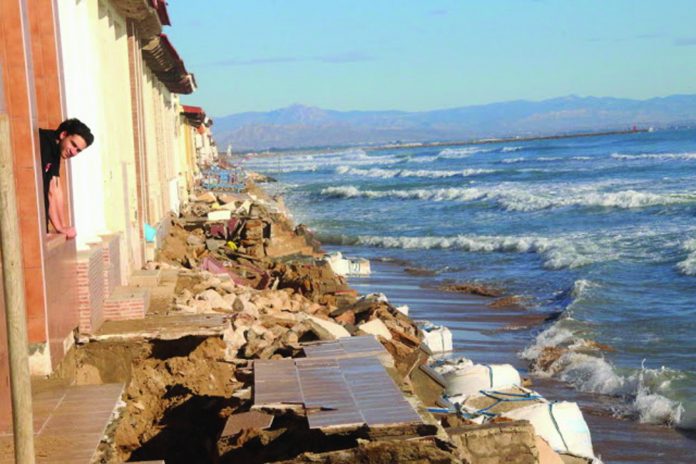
column 145, row 14
column 194, row 115
column 163, row 59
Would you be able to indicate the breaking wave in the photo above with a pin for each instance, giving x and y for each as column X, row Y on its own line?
column 584, row 366
column 287, row 169
column 688, row 265
column 390, row 173
column 560, row 352
column 456, row 153
column 510, row 149
column 656, row 156
column 508, row 198
column 302, row 162
column 450, row 194
column 546, row 159
column 513, row 160
column 556, row 253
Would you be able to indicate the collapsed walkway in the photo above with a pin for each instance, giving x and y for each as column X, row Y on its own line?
column 69, row 423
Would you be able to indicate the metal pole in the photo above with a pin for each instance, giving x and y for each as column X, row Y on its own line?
column 13, row 281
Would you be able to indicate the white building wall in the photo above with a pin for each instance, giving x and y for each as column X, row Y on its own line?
column 94, row 47
column 81, row 97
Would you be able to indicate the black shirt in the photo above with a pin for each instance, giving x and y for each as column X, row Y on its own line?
column 50, row 160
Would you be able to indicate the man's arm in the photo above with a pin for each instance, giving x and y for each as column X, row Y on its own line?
column 56, row 208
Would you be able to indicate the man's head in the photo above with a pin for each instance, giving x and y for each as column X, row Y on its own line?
column 73, row 136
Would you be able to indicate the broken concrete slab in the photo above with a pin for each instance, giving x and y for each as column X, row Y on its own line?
column 376, row 327
column 220, row 215
column 327, row 330
column 246, row 421
column 504, row 442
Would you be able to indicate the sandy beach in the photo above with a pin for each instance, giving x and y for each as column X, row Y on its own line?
column 485, row 334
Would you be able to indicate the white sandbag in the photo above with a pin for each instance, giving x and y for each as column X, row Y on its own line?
column 374, row 297
column 359, row 267
column 491, row 403
column 348, row 267
column 403, row 309
column 338, row 264
column 561, row 425
column 437, row 338
column 469, row 380
column 450, row 365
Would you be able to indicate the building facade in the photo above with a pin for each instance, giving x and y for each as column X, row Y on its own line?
column 108, row 63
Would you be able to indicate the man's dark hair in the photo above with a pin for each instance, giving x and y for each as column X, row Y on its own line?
column 74, row 126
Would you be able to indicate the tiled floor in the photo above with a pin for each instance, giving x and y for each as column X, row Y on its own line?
column 69, row 423
column 343, row 391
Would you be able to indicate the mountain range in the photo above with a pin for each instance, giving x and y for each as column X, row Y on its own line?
column 299, row 126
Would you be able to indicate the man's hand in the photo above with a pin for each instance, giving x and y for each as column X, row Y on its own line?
column 70, row 232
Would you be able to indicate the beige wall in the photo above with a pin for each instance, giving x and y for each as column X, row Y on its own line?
column 97, row 88
column 99, row 91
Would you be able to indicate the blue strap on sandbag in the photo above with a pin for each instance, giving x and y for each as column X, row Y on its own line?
column 558, row 429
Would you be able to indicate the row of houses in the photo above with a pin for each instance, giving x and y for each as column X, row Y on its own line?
column 110, row 64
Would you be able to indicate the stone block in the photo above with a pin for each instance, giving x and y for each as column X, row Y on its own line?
column 498, row 443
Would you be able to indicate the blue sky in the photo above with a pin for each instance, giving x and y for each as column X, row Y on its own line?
column 258, row 55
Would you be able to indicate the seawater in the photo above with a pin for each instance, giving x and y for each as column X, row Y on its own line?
column 598, row 230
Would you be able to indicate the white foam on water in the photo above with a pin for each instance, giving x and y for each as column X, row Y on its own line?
column 655, row 156
column 421, row 159
column 557, row 253
column 391, row 173
column 301, row 162
column 510, row 149
column 510, row 196
column 449, row 194
column 457, row 153
column 513, row 160
column 626, row 199
column 294, row 168
column 688, row 265
column 644, row 392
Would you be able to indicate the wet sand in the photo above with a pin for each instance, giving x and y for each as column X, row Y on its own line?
column 480, row 333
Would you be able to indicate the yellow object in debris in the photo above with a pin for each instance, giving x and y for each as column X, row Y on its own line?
column 215, row 206
column 232, row 246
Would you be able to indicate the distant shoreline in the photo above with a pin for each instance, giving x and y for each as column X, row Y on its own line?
column 503, row 140
column 406, row 145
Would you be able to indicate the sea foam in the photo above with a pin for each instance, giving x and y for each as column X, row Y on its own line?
column 688, row 265
column 456, row 153
column 391, row 173
column 449, row 194
column 557, row 253
column 508, row 197
column 687, row 156
column 582, row 363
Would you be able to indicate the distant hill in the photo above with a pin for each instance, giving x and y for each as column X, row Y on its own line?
column 302, row 126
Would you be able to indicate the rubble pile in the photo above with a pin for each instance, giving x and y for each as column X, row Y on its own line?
column 238, row 256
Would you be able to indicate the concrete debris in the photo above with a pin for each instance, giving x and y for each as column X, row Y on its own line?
column 376, row 327
column 327, row 330
column 237, row 257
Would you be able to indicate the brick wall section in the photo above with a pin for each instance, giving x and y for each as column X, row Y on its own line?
column 90, row 288
column 127, row 303
column 111, row 249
